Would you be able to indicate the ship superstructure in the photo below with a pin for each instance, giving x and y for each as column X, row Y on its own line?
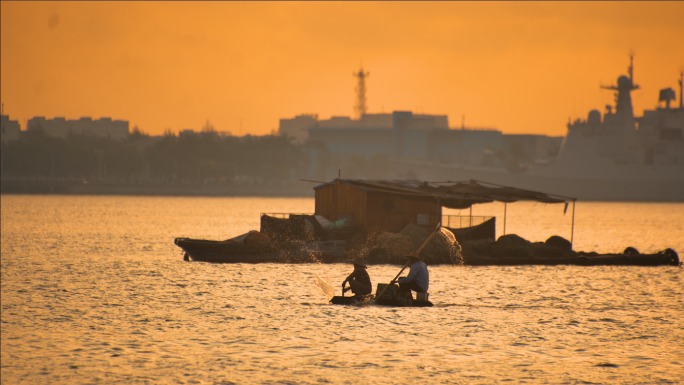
column 611, row 156
column 619, row 138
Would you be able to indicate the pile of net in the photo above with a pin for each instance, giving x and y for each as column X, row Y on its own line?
column 308, row 228
column 392, row 247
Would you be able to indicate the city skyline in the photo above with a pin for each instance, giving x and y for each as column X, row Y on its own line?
column 522, row 68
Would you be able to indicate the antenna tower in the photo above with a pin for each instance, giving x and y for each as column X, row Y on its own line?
column 360, row 106
column 681, row 82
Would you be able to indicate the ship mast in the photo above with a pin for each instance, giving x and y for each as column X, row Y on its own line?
column 624, row 86
column 681, row 80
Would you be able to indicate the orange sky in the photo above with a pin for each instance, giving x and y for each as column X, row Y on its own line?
column 516, row 66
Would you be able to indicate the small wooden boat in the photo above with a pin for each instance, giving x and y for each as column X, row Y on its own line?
column 403, row 302
column 352, row 300
column 394, row 302
column 393, row 296
column 228, row 252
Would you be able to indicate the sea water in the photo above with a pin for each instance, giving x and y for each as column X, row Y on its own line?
column 95, row 291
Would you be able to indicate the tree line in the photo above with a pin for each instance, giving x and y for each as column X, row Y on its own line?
column 185, row 158
column 200, row 157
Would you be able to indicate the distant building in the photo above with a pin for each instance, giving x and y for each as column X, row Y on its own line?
column 465, row 146
column 367, row 121
column 419, row 137
column 404, row 135
column 297, row 127
column 531, row 148
column 300, row 126
column 189, row 132
column 61, row 128
column 354, row 141
column 10, row 129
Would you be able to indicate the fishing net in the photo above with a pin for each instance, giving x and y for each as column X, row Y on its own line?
column 396, row 246
column 393, row 247
column 452, row 246
column 443, row 248
column 325, row 286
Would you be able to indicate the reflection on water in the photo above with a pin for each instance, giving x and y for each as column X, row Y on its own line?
column 93, row 290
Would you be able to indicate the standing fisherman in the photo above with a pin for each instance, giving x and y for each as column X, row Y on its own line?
column 359, row 281
column 418, row 278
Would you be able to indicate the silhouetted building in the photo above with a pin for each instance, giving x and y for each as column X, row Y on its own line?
column 530, row 149
column 298, row 126
column 466, row 146
column 10, row 129
column 187, row 132
column 61, row 128
column 404, row 135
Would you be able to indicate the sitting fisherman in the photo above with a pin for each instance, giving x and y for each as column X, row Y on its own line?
column 418, row 278
column 359, row 281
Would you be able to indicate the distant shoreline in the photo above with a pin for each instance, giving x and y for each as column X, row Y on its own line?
column 289, row 190
column 154, row 189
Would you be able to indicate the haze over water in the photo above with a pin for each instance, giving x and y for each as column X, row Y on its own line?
column 94, row 291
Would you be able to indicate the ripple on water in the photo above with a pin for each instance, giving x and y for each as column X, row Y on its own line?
column 102, row 295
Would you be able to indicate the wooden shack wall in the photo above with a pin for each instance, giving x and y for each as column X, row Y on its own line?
column 403, row 212
column 349, row 201
column 366, row 208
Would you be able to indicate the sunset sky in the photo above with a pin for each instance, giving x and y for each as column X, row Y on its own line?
column 520, row 67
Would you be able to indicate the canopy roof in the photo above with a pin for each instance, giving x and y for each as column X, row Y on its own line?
column 455, row 195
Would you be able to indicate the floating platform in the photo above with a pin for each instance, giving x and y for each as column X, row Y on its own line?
column 666, row 257
column 331, row 252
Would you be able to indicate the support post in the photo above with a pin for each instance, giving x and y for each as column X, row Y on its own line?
column 572, row 231
column 440, row 218
column 471, row 215
column 504, row 231
column 337, row 183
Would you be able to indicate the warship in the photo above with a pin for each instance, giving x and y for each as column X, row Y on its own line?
column 614, row 156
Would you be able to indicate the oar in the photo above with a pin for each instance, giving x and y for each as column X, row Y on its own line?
column 407, row 262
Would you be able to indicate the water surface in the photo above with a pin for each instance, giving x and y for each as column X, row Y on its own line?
column 94, row 291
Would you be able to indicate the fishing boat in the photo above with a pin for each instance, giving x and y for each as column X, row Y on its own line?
column 353, row 300
column 230, row 252
column 402, row 302
column 392, row 296
column 391, row 216
column 367, row 300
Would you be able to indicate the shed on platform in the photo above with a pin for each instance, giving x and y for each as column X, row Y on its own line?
column 373, row 209
column 389, row 205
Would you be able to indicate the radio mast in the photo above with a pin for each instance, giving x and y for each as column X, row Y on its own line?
column 360, row 107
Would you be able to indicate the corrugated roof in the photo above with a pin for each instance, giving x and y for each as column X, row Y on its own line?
column 456, row 195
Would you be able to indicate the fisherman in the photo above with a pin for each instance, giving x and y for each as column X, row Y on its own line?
column 418, row 278
column 359, row 281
